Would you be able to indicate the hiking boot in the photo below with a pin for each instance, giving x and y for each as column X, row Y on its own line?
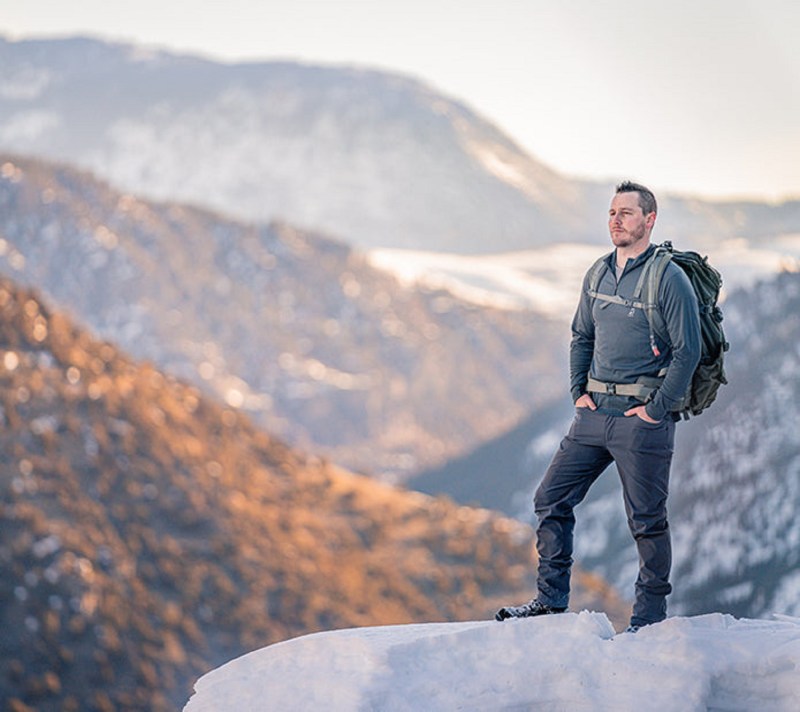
column 527, row 610
column 635, row 627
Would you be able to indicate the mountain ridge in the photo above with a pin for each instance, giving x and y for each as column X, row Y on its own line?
column 377, row 158
column 298, row 329
column 360, row 153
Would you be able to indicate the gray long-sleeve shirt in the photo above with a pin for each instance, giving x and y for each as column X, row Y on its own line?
column 611, row 342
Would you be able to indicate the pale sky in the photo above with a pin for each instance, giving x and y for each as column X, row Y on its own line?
column 693, row 96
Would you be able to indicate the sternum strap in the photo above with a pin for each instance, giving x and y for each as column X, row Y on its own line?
column 616, row 299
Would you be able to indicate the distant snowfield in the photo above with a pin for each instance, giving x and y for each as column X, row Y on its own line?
column 547, row 280
column 572, row 663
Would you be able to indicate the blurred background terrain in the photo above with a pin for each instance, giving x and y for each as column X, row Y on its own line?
column 283, row 349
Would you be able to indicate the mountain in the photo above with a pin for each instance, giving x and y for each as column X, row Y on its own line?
column 712, row 662
column 295, row 328
column 375, row 158
column 735, row 489
column 499, row 473
column 738, row 544
column 150, row 533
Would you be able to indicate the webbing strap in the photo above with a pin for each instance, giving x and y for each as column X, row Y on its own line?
column 616, row 299
column 636, row 390
column 658, row 265
column 648, row 283
column 637, row 292
column 597, row 271
column 596, row 274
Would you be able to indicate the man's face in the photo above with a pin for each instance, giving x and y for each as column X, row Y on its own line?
column 627, row 224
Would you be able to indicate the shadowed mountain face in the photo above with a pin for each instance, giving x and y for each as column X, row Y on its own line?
column 296, row 329
column 149, row 534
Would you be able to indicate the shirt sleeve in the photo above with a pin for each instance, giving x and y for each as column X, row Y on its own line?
column 681, row 315
column 581, row 347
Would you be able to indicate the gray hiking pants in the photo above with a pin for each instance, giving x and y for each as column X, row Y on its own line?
column 643, row 453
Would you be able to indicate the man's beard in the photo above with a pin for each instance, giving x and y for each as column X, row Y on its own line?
column 626, row 239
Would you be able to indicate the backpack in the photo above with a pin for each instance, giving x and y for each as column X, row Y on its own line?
column 706, row 282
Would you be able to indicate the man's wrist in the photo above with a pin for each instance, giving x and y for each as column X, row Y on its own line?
column 654, row 411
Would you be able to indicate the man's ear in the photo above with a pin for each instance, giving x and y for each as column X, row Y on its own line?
column 650, row 220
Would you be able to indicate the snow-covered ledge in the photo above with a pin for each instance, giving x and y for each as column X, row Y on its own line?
column 570, row 662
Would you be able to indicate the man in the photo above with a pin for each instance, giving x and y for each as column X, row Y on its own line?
column 625, row 386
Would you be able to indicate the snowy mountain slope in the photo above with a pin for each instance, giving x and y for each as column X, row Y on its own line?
column 570, row 662
column 738, row 542
column 547, row 279
column 377, row 159
column 544, row 280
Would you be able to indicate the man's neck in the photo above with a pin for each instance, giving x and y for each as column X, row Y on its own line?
column 631, row 252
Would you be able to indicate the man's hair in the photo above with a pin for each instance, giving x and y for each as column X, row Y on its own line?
column 647, row 201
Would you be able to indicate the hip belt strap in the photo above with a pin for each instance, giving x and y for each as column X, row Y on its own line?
column 637, row 390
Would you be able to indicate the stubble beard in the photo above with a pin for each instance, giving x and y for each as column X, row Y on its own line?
column 628, row 239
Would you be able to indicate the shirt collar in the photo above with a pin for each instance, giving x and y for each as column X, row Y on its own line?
column 612, row 258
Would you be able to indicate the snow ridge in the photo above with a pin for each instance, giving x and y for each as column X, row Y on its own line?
column 569, row 662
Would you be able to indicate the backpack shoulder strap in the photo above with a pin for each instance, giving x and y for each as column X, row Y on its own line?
column 650, row 283
column 598, row 269
column 596, row 272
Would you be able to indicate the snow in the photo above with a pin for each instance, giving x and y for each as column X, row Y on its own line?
column 573, row 661
column 547, row 279
column 25, row 127
column 26, row 83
